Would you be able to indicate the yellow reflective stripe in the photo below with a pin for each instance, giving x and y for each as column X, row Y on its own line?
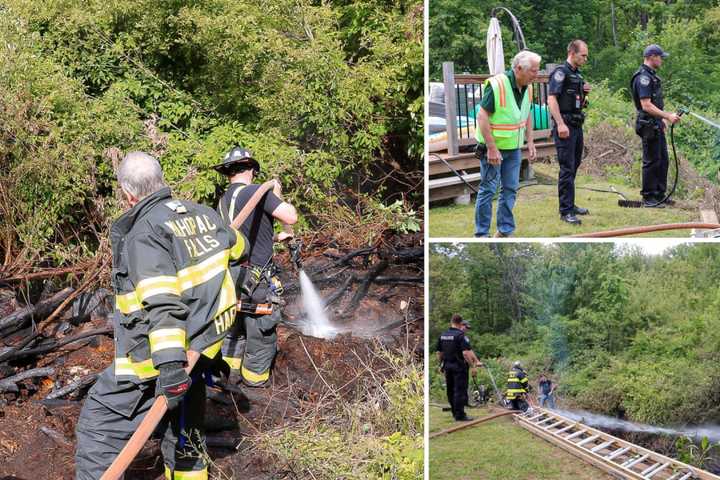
column 202, row 272
column 228, row 297
column 143, row 370
column 233, row 362
column 255, row 377
column 178, row 475
column 237, row 250
column 127, row 303
column 157, row 285
column 213, row 349
column 163, row 338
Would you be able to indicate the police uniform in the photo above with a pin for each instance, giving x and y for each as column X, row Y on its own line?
column 452, row 343
column 173, row 292
column 646, row 84
column 251, row 346
column 517, row 387
column 566, row 84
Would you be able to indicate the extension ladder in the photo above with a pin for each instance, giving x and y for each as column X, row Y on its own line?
column 615, row 456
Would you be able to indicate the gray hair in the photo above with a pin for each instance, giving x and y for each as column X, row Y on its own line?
column 525, row 59
column 140, row 175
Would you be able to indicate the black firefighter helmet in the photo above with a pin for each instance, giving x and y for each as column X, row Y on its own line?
column 237, row 157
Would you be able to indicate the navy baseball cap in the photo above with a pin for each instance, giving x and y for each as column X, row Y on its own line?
column 654, row 49
column 465, row 323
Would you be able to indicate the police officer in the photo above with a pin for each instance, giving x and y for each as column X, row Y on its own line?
column 252, row 344
column 517, row 387
column 567, row 93
column 173, row 293
column 455, row 357
column 646, row 88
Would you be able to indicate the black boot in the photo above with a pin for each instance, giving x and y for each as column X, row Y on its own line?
column 581, row 211
column 570, row 218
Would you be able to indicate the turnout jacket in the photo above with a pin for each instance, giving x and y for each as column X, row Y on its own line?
column 517, row 383
column 172, row 283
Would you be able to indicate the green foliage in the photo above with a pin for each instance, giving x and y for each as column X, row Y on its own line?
column 320, row 92
column 623, row 333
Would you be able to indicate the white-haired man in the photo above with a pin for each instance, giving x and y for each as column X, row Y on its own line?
column 173, row 293
column 505, row 124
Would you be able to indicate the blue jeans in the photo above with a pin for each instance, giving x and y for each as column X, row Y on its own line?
column 508, row 174
column 549, row 398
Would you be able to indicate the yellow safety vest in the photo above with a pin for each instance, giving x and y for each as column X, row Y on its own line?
column 507, row 122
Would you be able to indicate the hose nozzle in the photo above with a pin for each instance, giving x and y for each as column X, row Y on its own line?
column 682, row 111
column 295, row 246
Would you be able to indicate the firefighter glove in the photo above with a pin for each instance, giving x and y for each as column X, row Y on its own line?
column 173, row 382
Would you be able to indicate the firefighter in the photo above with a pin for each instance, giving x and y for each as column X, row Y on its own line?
column 173, row 293
column 646, row 88
column 455, row 356
column 252, row 344
column 517, row 387
column 505, row 124
column 567, row 93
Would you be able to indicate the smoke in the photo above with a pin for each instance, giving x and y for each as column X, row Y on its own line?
column 712, row 432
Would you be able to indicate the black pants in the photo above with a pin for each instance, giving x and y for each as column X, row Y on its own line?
column 655, row 167
column 456, row 381
column 519, row 404
column 569, row 152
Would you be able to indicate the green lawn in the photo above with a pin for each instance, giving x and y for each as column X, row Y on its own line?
column 499, row 450
column 536, row 211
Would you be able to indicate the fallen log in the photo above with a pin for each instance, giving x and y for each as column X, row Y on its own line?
column 9, row 384
column 365, row 285
column 19, row 318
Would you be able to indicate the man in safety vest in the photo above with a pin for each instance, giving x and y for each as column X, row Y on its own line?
column 251, row 346
column 567, row 92
column 173, row 293
column 505, row 124
column 517, row 387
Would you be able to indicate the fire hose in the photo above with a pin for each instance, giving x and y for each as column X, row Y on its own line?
column 159, row 406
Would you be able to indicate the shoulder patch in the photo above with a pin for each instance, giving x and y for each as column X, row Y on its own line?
column 559, row 75
column 176, row 206
column 644, row 80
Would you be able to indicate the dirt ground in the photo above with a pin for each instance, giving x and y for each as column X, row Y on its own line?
column 37, row 439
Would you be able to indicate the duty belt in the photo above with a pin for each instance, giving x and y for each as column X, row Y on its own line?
column 574, row 119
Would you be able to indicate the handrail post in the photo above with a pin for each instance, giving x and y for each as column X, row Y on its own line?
column 450, row 108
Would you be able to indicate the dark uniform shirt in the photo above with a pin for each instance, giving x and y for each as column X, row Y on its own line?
column 646, row 84
column 258, row 227
column 488, row 99
column 566, row 83
column 545, row 386
column 452, row 343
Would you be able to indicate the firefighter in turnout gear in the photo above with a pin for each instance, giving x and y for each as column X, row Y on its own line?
column 173, row 293
column 567, row 93
column 252, row 344
column 650, row 124
column 517, row 387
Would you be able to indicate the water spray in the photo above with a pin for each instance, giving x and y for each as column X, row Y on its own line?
column 712, row 432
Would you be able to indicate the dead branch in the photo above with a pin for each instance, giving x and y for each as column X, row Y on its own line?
column 57, row 344
column 20, row 317
column 77, row 385
column 56, row 437
column 365, row 285
column 8, row 384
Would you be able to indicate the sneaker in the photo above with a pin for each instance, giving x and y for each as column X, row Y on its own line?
column 581, row 211
column 571, row 219
column 499, row 234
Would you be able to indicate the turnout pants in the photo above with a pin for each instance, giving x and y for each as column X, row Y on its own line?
column 456, row 381
column 654, row 167
column 251, row 346
column 569, row 153
column 112, row 413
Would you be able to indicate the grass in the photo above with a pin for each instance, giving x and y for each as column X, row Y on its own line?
column 499, row 450
column 536, row 211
